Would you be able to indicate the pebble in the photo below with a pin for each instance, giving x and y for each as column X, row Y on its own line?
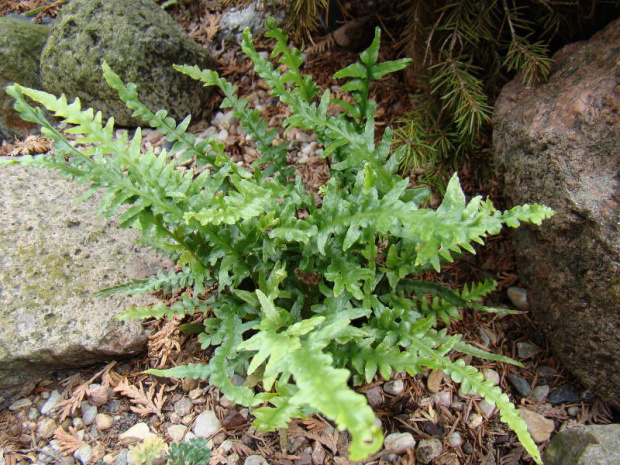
column 183, row 407
column 375, row 396
column 564, row 395
column 206, row 424
column 233, row 419
column 20, row 404
column 176, row 432
column 51, row 402
column 520, row 384
column 540, row 393
column 189, row 384
column 46, row 427
column 486, row 408
column 33, row 415
column 434, row 381
column 84, row 454
column 527, row 350
column 427, row 450
column 99, row 395
column 475, row 420
column 398, row 443
column 89, row 412
column 491, row 375
column 468, row 448
column 103, row 421
column 443, row 398
column 195, row 394
column 518, row 297
column 573, row 411
column 546, row 372
column 539, row 427
column 394, row 387
column 138, row 432
column 78, row 423
column 122, row 457
column 222, row 136
column 455, row 439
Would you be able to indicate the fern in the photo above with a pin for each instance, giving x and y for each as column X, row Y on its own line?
column 309, row 304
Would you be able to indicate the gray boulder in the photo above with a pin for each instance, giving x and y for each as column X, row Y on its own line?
column 585, row 445
column 21, row 43
column 139, row 41
column 53, row 256
column 558, row 144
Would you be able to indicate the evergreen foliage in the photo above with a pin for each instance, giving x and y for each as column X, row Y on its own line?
column 310, row 295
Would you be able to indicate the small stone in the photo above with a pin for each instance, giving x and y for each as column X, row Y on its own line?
column 20, row 404
column 84, row 454
column 375, row 396
column 255, row 460
column 98, row 453
column 222, row 136
column 455, row 439
column 33, row 415
column 486, row 408
column 527, row 350
column 77, row 423
column 233, row 419
column 434, row 381
column 428, row 449
column 51, row 402
column 99, row 395
column 89, row 412
column 540, row 393
column 520, row 384
column 233, row 459
column 138, row 432
column 443, row 398
column 122, row 457
column 103, row 421
column 458, row 406
column 189, row 384
column 546, row 372
column 518, row 297
column 206, row 424
column 226, row 446
column 564, row 395
column 573, row 411
column 468, row 448
column 475, row 420
column 183, row 406
column 176, row 432
column 391, row 458
column 491, row 375
column 398, row 443
column 195, row 394
column 539, row 427
column 394, row 387
column 46, row 427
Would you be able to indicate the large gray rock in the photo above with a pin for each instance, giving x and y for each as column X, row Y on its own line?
column 558, row 144
column 585, row 445
column 53, row 256
column 21, row 43
column 139, row 41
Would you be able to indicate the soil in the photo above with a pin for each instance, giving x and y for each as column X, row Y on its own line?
column 314, row 440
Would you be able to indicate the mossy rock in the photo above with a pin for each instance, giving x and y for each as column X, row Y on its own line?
column 21, row 43
column 139, row 41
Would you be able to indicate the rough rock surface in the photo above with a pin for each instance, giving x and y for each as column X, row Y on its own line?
column 53, row 256
column 21, row 43
column 585, row 445
column 139, row 41
column 559, row 144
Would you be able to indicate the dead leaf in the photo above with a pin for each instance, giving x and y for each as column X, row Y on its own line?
column 69, row 442
column 146, row 402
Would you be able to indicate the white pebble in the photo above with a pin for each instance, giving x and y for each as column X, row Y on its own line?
column 455, row 439
column 486, row 408
column 491, row 375
column 443, row 398
column 84, row 454
column 138, row 432
column 177, row 432
column 103, row 421
column 89, row 412
column 475, row 420
column 206, row 424
column 99, row 394
column 222, row 136
column 255, row 460
column 518, row 297
column 46, row 427
column 20, row 404
column 51, row 402
column 394, row 387
column 399, row 442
